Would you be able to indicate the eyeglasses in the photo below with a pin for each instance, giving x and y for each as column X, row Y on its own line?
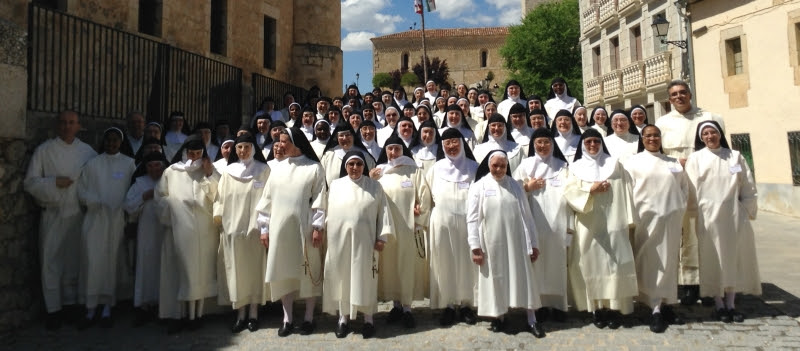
column 591, row 141
column 355, row 164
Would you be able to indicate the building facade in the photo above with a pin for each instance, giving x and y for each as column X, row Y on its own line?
column 471, row 53
column 624, row 63
column 748, row 59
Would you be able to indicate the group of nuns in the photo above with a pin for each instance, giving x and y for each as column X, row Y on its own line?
column 540, row 212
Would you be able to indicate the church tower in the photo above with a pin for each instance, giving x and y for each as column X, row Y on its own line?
column 316, row 50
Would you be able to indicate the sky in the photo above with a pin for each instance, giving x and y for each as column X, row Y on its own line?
column 365, row 19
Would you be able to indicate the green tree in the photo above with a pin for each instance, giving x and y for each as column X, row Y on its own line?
column 382, row 80
column 544, row 46
column 409, row 79
column 438, row 71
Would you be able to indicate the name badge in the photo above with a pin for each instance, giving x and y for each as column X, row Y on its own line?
column 463, row 185
column 491, row 192
column 555, row 182
column 419, row 164
column 118, row 175
column 258, row 185
column 675, row 169
column 406, row 184
column 736, row 169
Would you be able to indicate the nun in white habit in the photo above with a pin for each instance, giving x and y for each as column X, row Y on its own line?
column 452, row 275
column 291, row 215
column 543, row 176
column 322, row 133
column 601, row 269
column 513, row 94
column 559, row 98
column 520, row 125
column 342, row 140
column 503, row 241
column 725, row 203
column 497, row 137
column 358, row 224
column 624, row 141
column 660, row 195
column 567, row 134
column 454, row 118
column 240, row 188
column 427, row 146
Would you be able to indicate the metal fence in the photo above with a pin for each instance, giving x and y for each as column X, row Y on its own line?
column 741, row 143
column 267, row 87
column 794, row 154
column 101, row 71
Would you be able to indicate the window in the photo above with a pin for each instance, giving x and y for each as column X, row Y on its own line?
column 270, row 42
column 741, row 143
column 797, row 41
column 733, row 51
column 219, row 26
column 794, row 155
column 404, row 62
column 614, row 52
column 636, row 44
column 150, row 17
column 484, row 58
column 596, row 61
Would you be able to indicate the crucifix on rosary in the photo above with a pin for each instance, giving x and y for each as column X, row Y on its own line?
column 374, row 267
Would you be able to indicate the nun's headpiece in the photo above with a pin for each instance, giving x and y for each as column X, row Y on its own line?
column 353, row 154
column 437, row 139
column 246, row 138
column 552, row 93
column 299, row 140
column 608, row 119
column 575, row 129
column 545, row 133
column 452, row 133
column 510, row 83
column 393, row 140
column 192, row 142
column 141, row 169
column 497, row 118
column 483, row 168
column 698, row 141
column 631, row 126
column 334, row 139
column 589, row 133
column 640, row 147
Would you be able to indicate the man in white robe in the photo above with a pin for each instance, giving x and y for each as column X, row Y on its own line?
column 678, row 129
column 102, row 186
column 291, row 218
column 559, row 98
column 512, row 95
column 51, row 180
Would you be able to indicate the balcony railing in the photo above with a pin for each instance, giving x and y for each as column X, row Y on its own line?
column 627, row 5
column 633, row 78
column 589, row 18
column 658, row 69
column 593, row 90
column 608, row 10
column 612, row 85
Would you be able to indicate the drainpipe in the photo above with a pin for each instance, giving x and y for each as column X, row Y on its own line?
column 687, row 56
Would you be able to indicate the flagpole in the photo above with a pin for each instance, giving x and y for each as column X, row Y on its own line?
column 424, row 50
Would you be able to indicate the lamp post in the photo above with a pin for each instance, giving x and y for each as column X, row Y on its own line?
column 357, row 75
column 661, row 28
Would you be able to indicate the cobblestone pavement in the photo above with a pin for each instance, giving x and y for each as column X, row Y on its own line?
column 771, row 324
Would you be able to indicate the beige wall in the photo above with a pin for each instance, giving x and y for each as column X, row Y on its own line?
column 462, row 55
column 763, row 100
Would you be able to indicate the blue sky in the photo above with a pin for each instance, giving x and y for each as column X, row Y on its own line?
column 365, row 19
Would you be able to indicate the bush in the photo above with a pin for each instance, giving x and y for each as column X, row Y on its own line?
column 382, row 80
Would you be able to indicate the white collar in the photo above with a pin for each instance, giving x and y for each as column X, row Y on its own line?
column 546, row 167
column 594, row 168
column 456, row 169
column 245, row 170
column 392, row 165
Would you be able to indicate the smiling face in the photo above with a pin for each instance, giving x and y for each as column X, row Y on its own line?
column 367, row 133
column 639, row 117
column 286, row 147
column 543, row 146
column 497, row 129
column 345, row 139
column 244, row 150
column 391, row 117
column 563, row 124
column 498, row 166
column 680, row 98
column 517, row 120
column 537, row 121
column 452, row 147
column 464, row 106
column 355, row 121
column 393, row 151
column 600, row 117
column 534, row 104
column 405, row 129
column 427, row 135
column 308, row 118
column 489, row 110
column 454, row 118
column 262, row 125
column 355, row 168
column 559, row 88
column 592, row 145
column 155, row 169
column 580, row 117
column 710, row 137
column 322, row 131
column 620, row 124
column 111, row 143
column 651, row 138
column 423, row 115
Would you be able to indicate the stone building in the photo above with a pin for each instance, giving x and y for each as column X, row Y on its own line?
column 747, row 55
column 212, row 59
column 624, row 63
column 471, row 53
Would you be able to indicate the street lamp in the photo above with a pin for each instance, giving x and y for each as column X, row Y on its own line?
column 357, row 75
column 661, row 28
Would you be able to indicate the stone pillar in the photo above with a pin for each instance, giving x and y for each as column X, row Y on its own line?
column 316, row 50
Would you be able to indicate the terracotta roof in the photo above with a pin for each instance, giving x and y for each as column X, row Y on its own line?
column 447, row 33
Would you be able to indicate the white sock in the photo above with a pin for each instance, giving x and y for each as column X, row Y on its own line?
column 253, row 311
column 310, row 302
column 531, row 317
column 191, row 310
column 729, row 298
column 718, row 302
column 106, row 311
column 90, row 312
column 657, row 309
column 368, row 319
column 406, row 308
column 240, row 314
column 200, row 308
column 287, row 301
column 344, row 318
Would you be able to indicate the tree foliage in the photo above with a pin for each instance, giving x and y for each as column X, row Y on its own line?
column 438, row 71
column 409, row 79
column 382, row 80
column 544, row 46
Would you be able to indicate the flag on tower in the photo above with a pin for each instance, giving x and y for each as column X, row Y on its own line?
column 418, row 6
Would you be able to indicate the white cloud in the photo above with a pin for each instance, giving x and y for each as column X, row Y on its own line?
column 364, row 15
column 449, row 9
column 357, row 41
column 510, row 16
column 500, row 4
column 479, row 20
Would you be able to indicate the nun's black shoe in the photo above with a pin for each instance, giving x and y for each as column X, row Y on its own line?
column 735, row 315
column 707, row 301
column 85, row 323
column 537, row 330
column 468, row 315
column 175, row 326
column 53, row 321
column 657, row 323
column 722, row 315
column 558, row 315
column 306, row 328
column 542, row 314
column 106, row 322
column 394, row 315
column 342, row 329
column 368, row 331
column 670, row 316
column 599, row 319
column 691, row 293
column 498, row 325
column 286, row 329
column 194, row 324
column 238, row 326
column 448, row 317
column 614, row 319
column 252, row 324
column 408, row 320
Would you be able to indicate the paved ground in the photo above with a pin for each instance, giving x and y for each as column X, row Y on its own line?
column 772, row 323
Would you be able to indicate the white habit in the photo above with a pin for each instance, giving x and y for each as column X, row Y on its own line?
column 149, row 237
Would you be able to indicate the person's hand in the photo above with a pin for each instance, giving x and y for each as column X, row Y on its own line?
column 218, row 221
column 265, row 240
column 316, row 238
column 535, row 255
column 375, row 173
column 208, row 167
column 477, row 256
column 379, row 245
column 147, row 195
column 682, row 161
column 599, row 187
column 416, row 210
column 534, row 184
column 63, row 182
